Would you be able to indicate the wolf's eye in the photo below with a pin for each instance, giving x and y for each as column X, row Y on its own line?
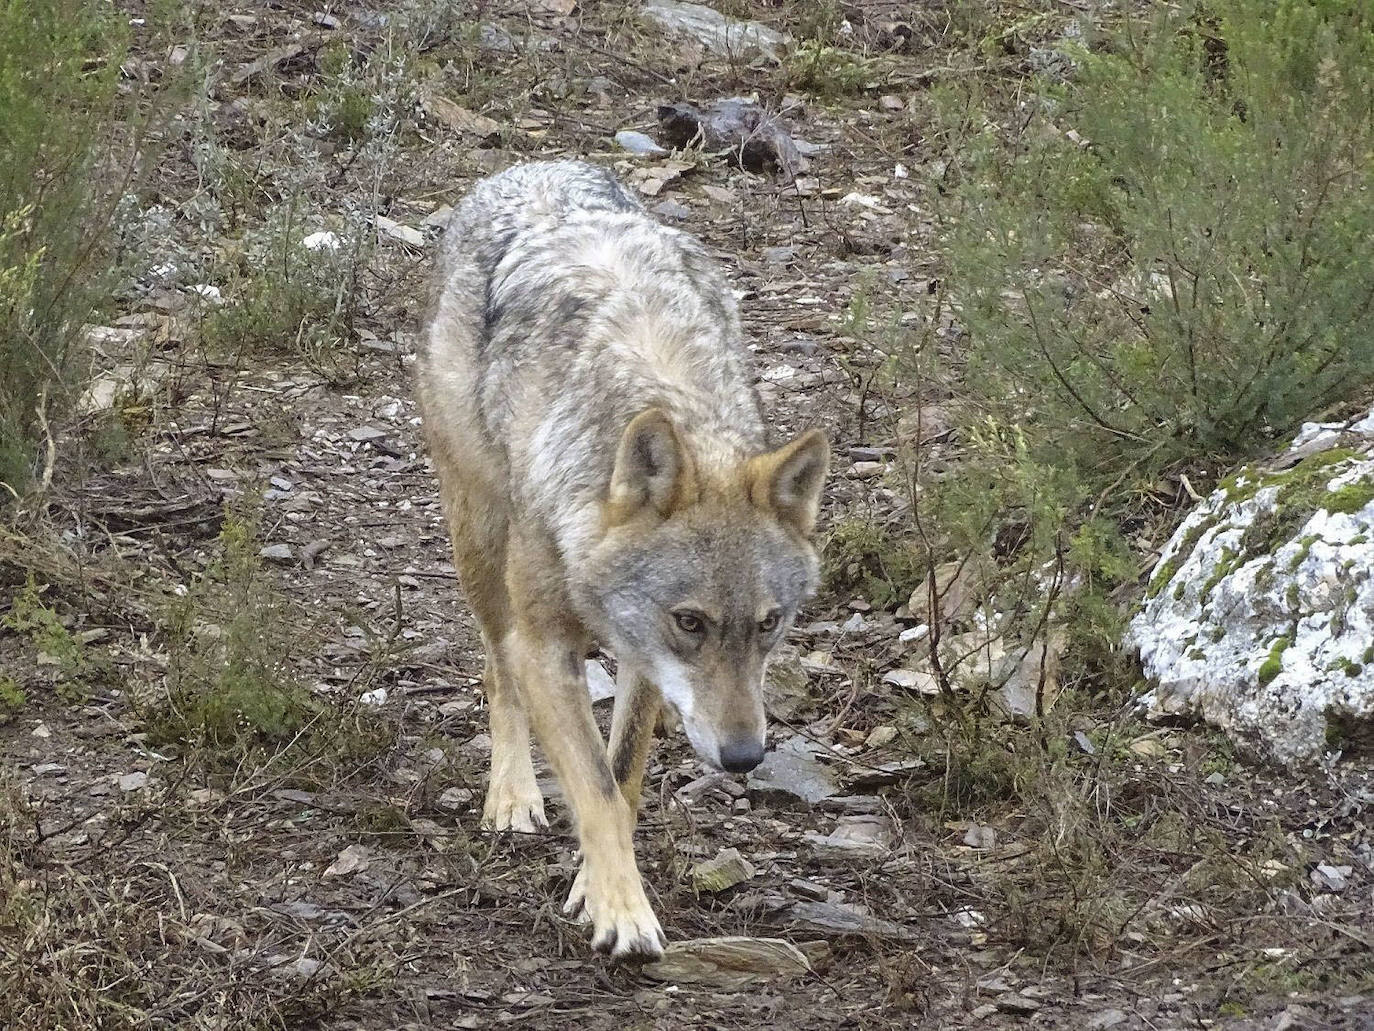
column 688, row 622
column 768, row 623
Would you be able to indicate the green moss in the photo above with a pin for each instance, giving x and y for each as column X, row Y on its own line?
column 1346, row 666
column 1273, row 665
column 1304, row 549
column 1351, row 498
column 1218, row 632
column 1197, row 654
column 1168, row 570
column 1225, row 565
column 1244, row 485
column 1368, row 655
column 1301, row 493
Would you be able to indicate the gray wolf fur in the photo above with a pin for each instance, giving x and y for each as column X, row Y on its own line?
column 607, row 479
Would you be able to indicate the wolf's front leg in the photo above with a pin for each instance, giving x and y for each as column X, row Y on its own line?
column 548, row 667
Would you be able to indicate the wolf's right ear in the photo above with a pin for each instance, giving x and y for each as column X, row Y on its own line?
column 651, row 468
column 788, row 481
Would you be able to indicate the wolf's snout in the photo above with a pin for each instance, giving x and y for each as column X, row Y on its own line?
column 741, row 756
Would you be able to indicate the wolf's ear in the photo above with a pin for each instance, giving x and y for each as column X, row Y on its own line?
column 788, row 481
column 651, row 467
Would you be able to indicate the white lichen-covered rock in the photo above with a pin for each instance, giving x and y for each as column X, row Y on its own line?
column 1259, row 616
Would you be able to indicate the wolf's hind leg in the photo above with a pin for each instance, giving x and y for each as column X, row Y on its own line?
column 637, row 702
column 478, row 527
column 514, row 801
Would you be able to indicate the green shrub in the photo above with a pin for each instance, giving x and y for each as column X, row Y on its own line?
column 286, row 299
column 1172, row 261
column 59, row 68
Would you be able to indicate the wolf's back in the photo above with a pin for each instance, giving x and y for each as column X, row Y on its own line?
column 525, row 197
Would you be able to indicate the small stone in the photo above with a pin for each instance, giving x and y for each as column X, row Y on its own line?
column 880, row 737
column 888, row 102
column 912, row 634
column 855, row 835
column 133, row 781
column 1216, row 779
column 869, row 454
column 277, row 553
column 455, row 799
column 322, row 241
column 779, row 255
column 786, row 686
column 854, row 624
column 397, row 231
column 913, row 680
column 1085, row 743
column 353, row 859
column 639, row 143
column 979, row 836
column 1014, row 1002
column 867, row 470
column 41, row 731
column 459, row 118
column 363, row 434
column 1332, row 878
column 726, row 870
column 670, row 208
column 843, row 918
column 728, row 962
column 47, row 769
column 373, row 699
column 1105, row 1020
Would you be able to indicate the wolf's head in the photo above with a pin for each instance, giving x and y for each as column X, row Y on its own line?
column 699, row 573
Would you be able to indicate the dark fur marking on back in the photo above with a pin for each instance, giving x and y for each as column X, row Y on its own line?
column 491, row 312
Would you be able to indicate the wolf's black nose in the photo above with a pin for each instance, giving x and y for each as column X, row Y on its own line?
column 741, row 756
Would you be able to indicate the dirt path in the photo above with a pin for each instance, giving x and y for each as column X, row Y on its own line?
column 344, row 883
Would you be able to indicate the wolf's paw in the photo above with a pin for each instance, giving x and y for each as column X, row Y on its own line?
column 623, row 923
column 508, row 810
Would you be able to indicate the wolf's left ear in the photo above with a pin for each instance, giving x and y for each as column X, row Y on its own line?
column 788, row 481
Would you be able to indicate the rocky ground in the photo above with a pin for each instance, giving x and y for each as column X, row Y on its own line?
column 337, row 878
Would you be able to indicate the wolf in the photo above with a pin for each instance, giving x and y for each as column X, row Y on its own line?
column 607, row 478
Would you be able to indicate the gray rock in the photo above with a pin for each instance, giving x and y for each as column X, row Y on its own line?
column 1259, row 614
column 277, row 553
column 712, row 29
column 792, row 771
